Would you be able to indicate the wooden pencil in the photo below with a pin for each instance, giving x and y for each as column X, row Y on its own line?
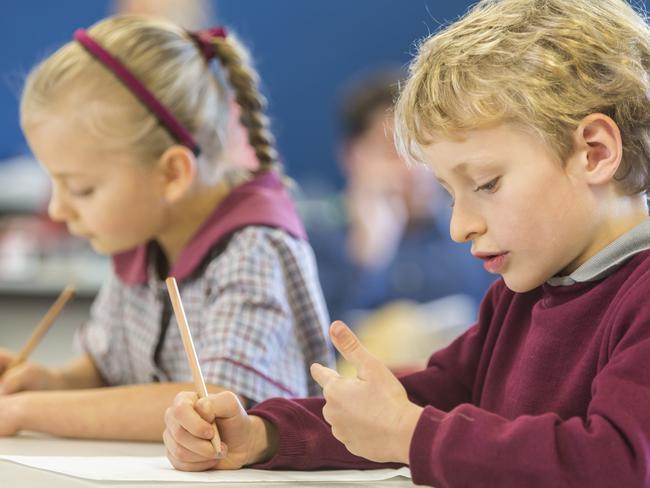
column 43, row 326
column 188, row 344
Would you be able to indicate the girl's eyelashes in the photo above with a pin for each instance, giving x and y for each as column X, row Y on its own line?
column 489, row 187
column 84, row 192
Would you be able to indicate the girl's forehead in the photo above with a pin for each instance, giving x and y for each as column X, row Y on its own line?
column 64, row 149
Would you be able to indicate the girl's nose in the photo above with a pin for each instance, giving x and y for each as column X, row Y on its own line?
column 58, row 209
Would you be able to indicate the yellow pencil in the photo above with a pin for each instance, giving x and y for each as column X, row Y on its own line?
column 43, row 326
column 199, row 383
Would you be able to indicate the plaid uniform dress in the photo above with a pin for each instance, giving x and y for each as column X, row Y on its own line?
column 250, row 291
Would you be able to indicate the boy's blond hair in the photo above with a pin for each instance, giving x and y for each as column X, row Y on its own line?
column 542, row 64
column 166, row 60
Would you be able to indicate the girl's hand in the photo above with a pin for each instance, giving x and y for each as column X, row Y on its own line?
column 371, row 414
column 6, row 358
column 245, row 439
column 26, row 376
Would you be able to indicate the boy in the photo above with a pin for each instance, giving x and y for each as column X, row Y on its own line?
column 534, row 115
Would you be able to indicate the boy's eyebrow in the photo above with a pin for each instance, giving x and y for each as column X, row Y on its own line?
column 462, row 167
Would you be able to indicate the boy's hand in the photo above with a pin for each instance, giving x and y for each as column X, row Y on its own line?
column 26, row 376
column 371, row 414
column 245, row 439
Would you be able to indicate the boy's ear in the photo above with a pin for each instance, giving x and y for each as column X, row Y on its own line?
column 178, row 170
column 598, row 142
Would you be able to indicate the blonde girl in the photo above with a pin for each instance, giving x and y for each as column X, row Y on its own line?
column 160, row 155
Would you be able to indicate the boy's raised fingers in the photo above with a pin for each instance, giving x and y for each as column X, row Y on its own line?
column 347, row 343
column 323, row 375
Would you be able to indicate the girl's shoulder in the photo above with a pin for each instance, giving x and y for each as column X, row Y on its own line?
column 256, row 249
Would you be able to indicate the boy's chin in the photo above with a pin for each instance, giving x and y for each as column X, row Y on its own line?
column 521, row 285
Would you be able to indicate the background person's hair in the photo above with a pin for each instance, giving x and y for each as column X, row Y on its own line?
column 541, row 64
column 364, row 97
column 168, row 62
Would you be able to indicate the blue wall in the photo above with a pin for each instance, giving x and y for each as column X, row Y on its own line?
column 305, row 51
column 30, row 30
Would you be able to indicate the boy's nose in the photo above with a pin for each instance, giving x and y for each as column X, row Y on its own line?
column 465, row 225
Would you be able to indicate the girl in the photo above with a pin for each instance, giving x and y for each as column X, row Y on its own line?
column 138, row 126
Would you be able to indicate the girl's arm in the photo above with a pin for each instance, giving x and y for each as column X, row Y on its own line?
column 133, row 412
column 81, row 373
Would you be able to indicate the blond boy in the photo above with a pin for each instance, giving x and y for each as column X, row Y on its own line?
column 535, row 116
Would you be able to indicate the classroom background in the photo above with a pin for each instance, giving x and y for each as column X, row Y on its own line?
column 308, row 53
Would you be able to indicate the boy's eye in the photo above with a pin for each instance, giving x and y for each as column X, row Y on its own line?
column 490, row 186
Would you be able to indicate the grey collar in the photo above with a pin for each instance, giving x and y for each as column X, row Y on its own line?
column 609, row 258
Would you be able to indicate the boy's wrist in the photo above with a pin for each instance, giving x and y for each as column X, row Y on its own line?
column 406, row 430
column 265, row 440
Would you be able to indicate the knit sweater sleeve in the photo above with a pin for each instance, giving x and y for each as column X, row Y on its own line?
column 450, row 376
column 305, row 438
column 470, row 446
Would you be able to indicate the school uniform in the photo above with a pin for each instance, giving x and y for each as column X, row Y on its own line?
column 250, row 290
column 550, row 388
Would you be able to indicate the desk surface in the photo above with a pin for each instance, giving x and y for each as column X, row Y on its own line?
column 16, row 475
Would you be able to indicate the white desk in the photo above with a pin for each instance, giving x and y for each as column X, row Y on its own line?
column 17, row 476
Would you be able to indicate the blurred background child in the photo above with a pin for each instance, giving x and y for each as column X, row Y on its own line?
column 161, row 156
column 385, row 258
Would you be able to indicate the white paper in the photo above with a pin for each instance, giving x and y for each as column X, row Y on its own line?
column 131, row 468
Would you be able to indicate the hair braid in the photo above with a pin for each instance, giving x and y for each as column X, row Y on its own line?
column 244, row 80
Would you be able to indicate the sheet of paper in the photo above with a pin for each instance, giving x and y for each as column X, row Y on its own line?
column 122, row 468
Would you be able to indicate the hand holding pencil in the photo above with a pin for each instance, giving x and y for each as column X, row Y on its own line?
column 15, row 374
column 188, row 344
column 191, row 436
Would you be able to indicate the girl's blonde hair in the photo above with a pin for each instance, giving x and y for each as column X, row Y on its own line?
column 542, row 64
column 167, row 61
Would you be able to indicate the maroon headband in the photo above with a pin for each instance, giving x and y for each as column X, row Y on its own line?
column 203, row 40
column 166, row 118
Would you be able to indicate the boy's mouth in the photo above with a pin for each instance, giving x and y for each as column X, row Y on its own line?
column 492, row 262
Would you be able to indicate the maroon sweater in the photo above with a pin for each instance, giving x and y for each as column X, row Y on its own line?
column 549, row 388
